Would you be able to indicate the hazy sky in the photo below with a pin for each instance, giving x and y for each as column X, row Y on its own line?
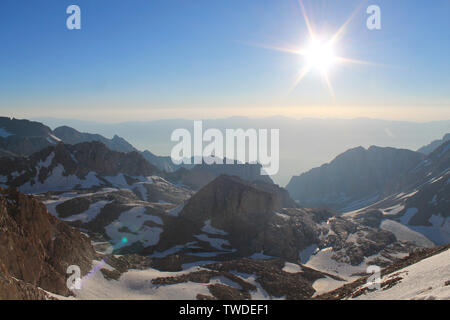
column 149, row 59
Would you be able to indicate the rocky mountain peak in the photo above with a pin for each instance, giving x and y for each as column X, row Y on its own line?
column 231, row 199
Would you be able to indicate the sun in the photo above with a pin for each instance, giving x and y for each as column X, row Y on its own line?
column 320, row 55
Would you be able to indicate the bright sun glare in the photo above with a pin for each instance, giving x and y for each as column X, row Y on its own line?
column 320, row 55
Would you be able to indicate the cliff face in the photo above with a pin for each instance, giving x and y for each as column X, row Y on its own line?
column 36, row 248
column 253, row 217
column 354, row 179
column 229, row 199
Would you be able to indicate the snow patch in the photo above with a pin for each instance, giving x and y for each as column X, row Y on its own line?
column 208, row 228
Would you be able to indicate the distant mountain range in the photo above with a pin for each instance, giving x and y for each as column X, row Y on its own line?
column 304, row 143
column 22, row 138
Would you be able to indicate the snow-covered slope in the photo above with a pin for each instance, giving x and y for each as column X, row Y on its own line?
column 424, row 275
column 428, row 279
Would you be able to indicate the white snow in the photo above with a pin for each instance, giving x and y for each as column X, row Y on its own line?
column 326, row 284
column 137, row 285
column 403, row 233
column 214, row 242
column 393, row 210
column 424, row 280
column 133, row 222
column 118, row 181
column 292, row 267
column 283, row 216
column 438, row 232
column 208, row 228
column 55, row 138
column 322, row 261
column 57, row 181
column 47, row 162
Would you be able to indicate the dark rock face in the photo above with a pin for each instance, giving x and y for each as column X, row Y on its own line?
column 253, row 216
column 37, row 248
column 229, row 198
column 371, row 218
column 357, row 175
column 235, row 206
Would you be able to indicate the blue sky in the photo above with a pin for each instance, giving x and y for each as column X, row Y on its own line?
column 148, row 59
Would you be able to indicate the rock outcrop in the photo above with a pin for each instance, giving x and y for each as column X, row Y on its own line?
column 254, row 217
column 36, row 248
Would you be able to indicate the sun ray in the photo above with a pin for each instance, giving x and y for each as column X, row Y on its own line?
column 337, row 36
column 302, row 74
column 355, row 61
column 296, row 51
column 329, row 85
column 308, row 23
column 367, row 63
